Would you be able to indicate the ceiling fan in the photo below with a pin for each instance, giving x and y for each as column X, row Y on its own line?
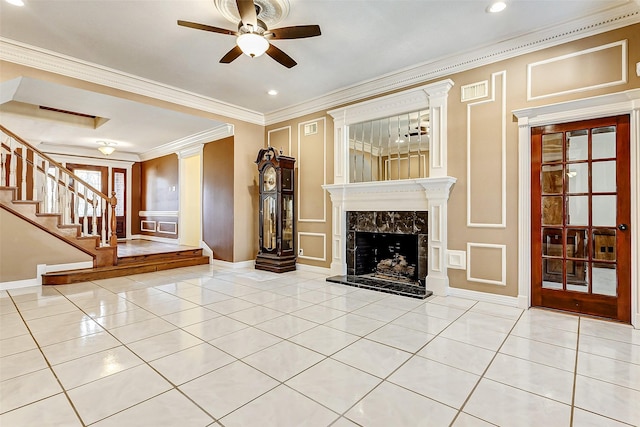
column 253, row 36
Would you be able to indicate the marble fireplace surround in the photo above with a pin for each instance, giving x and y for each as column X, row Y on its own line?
column 424, row 194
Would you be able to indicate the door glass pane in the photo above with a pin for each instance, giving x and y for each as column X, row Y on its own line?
column 552, row 242
column 603, row 143
column 577, row 276
column 603, row 175
column 604, row 211
column 577, row 145
column 577, row 243
column 552, row 210
column 552, row 179
column 578, row 177
column 605, row 281
column 287, row 222
column 578, row 210
column 552, row 273
column 118, row 187
column 269, row 223
column 552, row 147
column 604, row 244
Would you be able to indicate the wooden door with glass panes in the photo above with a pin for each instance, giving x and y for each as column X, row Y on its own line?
column 581, row 242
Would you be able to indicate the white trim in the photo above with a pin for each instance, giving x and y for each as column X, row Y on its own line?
column 174, row 224
column 43, row 269
column 484, row 297
column 503, row 262
column 627, row 102
column 158, row 213
column 189, row 143
column 623, row 77
column 47, row 60
column 17, row 284
column 324, row 245
column 234, row 265
column 144, row 227
column 206, row 250
column 503, row 157
column 611, row 19
column 324, row 170
column 290, row 154
column 313, row 269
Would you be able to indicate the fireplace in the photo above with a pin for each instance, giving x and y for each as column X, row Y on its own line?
column 387, row 251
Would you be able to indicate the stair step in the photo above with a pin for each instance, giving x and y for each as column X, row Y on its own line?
column 133, row 259
column 88, row 274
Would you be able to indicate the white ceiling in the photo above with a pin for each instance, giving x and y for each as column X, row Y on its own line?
column 361, row 40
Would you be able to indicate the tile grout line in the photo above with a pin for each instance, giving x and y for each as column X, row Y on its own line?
column 49, row 366
column 575, row 373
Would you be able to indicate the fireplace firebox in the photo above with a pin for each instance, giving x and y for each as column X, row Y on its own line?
column 387, row 251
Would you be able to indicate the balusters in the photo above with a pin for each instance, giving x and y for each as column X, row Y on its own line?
column 34, row 177
column 103, row 226
column 113, row 239
column 12, row 164
column 3, row 168
column 67, row 200
column 76, row 199
column 94, row 223
column 56, row 191
column 85, row 224
column 23, row 178
column 46, row 196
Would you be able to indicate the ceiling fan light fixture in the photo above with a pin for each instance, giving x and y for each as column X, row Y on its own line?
column 252, row 44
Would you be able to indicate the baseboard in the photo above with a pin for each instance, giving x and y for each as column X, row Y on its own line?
column 314, row 269
column 234, row 265
column 42, row 269
column 484, row 297
column 206, row 250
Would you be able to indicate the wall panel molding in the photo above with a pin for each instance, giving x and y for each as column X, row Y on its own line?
column 324, row 245
column 503, row 152
column 288, row 129
column 300, row 164
column 503, row 266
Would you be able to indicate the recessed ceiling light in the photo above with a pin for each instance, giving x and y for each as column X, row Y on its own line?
column 497, row 6
column 273, row 92
column 16, row 2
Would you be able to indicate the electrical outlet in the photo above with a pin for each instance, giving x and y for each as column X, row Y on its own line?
column 300, row 251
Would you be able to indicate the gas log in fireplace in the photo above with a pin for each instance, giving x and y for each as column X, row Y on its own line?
column 387, row 251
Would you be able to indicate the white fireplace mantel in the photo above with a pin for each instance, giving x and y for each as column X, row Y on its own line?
column 424, row 194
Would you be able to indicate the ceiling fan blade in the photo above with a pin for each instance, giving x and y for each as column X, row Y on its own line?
column 281, row 57
column 206, row 28
column 247, row 11
column 296, row 32
column 231, row 55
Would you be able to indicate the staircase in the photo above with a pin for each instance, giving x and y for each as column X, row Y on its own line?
column 44, row 193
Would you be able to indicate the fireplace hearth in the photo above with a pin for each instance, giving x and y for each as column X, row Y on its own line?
column 387, row 251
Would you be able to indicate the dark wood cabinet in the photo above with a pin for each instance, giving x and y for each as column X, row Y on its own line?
column 276, row 217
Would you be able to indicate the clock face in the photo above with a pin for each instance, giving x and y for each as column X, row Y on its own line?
column 269, row 179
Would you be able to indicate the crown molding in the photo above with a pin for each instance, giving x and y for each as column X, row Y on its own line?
column 46, row 60
column 190, row 142
column 611, row 19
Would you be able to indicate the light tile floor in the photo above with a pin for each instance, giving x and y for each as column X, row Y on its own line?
column 209, row 346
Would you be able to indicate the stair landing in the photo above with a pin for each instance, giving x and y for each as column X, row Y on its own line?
column 134, row 257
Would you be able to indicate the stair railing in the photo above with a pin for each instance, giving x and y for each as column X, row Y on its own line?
column 38, row 177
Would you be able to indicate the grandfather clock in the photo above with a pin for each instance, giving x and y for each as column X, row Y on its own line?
column 277, row 226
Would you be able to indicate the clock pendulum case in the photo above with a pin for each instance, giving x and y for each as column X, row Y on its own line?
column 276, row 217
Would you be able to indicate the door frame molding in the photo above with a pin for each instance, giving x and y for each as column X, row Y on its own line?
column 627, row 102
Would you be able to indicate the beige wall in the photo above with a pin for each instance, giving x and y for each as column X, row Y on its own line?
column 19, row 256
column 488, row 231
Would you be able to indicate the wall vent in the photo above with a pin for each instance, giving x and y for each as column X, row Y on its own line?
column 311, row 128
column 474, row 91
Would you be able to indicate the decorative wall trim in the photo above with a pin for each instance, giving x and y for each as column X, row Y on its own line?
column 288, row 128
column 149, row 226
column 43, row 59
column 234, row 265
column 172, row 227
column 503, row 266
column 503, row 150
column 158, row 213
column 608, row 20
column 324, row 245
column 324, row 169
column 313, row 269
column 484, row 297
column 626, row 102
column 623, row 70
column 191, row 141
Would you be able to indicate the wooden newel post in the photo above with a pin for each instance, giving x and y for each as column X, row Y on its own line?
column 113, row 238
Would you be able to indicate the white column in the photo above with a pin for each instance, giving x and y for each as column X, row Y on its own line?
column 438, row 93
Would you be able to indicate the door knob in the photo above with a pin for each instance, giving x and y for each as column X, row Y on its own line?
column 622, row 227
